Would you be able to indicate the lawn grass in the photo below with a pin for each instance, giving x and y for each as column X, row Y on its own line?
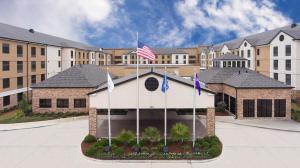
column 10, row 117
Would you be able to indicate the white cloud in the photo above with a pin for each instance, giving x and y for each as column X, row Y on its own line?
column 64, row 18
column 240, row 17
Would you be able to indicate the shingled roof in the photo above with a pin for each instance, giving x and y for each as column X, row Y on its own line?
column 79, row 76
column 239, row 78
column 229, row 56
column 17, row 33
column 262, row 38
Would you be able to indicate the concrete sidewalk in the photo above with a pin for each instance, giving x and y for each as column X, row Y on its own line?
column 37, row 124
column 282, row 125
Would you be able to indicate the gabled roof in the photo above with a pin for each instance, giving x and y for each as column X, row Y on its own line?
column 131, row 77
column 229, row 56
column 17, row 33
column 239, row 78
column 264, row 38
column 79, row 76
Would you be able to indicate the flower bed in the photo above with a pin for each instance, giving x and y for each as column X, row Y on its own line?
column 205, row 148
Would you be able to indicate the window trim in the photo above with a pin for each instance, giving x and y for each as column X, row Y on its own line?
column 45, row 104
column 62, row 103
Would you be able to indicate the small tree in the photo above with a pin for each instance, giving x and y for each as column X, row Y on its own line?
column 126, row 136
column 180, row 132
column 152, row 134
column 221, row 107
column 24, row 106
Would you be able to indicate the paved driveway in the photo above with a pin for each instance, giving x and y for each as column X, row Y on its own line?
column 58, row 146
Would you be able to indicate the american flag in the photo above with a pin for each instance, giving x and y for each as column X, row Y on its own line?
column 145, row 52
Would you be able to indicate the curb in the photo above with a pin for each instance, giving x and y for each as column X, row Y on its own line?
column 263, row 127
column 38, row 124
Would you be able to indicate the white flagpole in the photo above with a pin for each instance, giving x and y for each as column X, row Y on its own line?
column 109, row 125
column 194, row 110
column 137, row 96
column 165, row 108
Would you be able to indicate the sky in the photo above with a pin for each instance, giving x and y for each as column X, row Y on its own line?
column 159, row 23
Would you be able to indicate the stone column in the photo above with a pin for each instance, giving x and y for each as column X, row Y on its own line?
column 288, row 114
column 210, row 121
column 93, row 121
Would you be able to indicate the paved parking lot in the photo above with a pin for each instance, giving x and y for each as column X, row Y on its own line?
column 58, row 146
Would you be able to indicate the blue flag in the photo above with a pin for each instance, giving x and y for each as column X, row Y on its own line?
column 197, row 84
column 165, row 85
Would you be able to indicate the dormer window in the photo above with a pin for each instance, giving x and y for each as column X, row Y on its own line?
column 245, row 44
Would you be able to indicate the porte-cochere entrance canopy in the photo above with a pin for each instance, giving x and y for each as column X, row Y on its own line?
column 180, row 95
column 124, row 96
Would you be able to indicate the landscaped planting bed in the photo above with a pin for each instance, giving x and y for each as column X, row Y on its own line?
column 151, row 147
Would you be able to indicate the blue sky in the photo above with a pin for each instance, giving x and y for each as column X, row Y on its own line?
column 160, row 23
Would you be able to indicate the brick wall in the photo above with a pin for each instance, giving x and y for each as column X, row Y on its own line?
column 62, row 93
column 93, row 121
column 210, row 121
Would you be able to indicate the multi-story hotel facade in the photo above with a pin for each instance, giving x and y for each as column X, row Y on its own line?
column 28, row 57
column 274, row 53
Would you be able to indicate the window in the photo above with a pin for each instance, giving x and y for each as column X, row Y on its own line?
column 248, row 108
column 242, row 53
column 226, row 101
column 264, row 108
column 238, row 64
column 19, row 50
column 288, row 79
column 42, row 64
column 79, row 103
column 59, row 53
column 249, row 53
column 288, row 50
column 6, row 100
column 33, row 66
column 275, row 51
column 288, row 65
column 232, row 105
column 59, row 64
column 71, row 54
column 258, row 63
column 42, row 77
column 224, row 64
column 176, row 56
column 62, row 103
column 280, row 107
column 20, row 97
column 45, row 103
column 5, row 48
column 257, row 52
column 20, row 82
column 33, row 51
column 72, row 63
column 249, row 63
column 281, row 37
column 275, row 64
column 5, row 66
column 275, row 76
column 42, row 51
column 19, row 66
column 6, row 83
column 245, row 44
column 33, row 79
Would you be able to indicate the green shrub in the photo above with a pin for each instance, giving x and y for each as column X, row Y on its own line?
column 154, row 149
column 102, row 142
column 126, row 136
column 91, row 151
column 221, row 107
column 89, row 139
column 25, row 106
column 116, row 141
column 145, row 149
column 152, row 134
column 19, row 114
column 185, row 147
column 119, row 151
column 214, row 151
column 180, row 132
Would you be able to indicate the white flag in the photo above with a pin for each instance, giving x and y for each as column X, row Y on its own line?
column 110, row 84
